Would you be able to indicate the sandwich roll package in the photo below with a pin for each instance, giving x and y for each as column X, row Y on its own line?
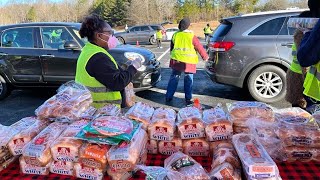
column 162, row 125
column 66, row 147
column 256, row 162
column 170, row 147
column 225, row 171
column 70, row 102
column 94, row 155
column 152, row 146
column 196, row 147
column 187, row 166
column 27, row 168
column 129, row 94
column 125, row 156
column 141, row 112
column 86, row 172
column 37, row 151
column 302, row 154
column 218, row 126
column 61, row 167
column 160, row 173
column 108, row 110
column 190, row 124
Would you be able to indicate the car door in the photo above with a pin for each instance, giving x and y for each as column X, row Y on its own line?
column 58, row 63
column 145, row 33
column 19, row 54
column 133, row 35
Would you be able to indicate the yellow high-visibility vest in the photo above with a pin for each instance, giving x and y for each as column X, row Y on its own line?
column 183, row 49
column 295, row 66
column 312, row 82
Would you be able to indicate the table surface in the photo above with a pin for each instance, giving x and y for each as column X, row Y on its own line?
column 292, row 170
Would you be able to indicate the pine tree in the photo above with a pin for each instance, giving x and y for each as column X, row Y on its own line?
column 31, row 15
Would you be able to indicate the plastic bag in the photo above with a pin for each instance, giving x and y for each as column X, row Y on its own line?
column 303, row 154
column 71, row 101
column 160, row 173
column 152, row 146
column 108, row 110
column 300, row 22
column 225, row 171
column 190, row 124
column 61, row 167
column 196, row 147
column 170, row 147
column 27, row 168
column 141, row 112
column 94, row 155
column 294, row 116
column 119, row 175
column 129, row 94
column 85, row 172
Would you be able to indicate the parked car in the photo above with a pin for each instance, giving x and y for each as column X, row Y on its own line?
column 143, row 33
column 253, row 51
column 170, row 32
column 31, row 57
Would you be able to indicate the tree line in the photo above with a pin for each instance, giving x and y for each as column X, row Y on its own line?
column 121, row 12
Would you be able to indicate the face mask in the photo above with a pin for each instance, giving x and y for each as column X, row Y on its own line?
column 112, row 41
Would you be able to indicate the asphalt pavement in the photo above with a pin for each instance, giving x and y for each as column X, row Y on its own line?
column 22, row 103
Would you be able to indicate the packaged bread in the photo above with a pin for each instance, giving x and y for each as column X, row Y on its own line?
column 27, row 168
column 141, row 112
column 108, row 110
column 218, row 126
column 225, row 171
column 160, row 173
column 143, row 157
column 152, row 146
column 190, row 124
column 256, row 162
column 5, row 156
column 186, row 165
column 162, row 125
column 119, row 175
column 196, row 147
column 9, row 161
column 37, row 151
column 240, row 129
column 61, row 167
column 18, row 141
column 241, row 111
column 303, row 154
column 295, row 116
column 86, row 172
column 221, row 155
column 129, row 94
column 220, row 144
column 125, row 156
column 170, row 147
column 94, row 155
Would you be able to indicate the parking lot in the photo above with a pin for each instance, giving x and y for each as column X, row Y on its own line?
column 22, row 103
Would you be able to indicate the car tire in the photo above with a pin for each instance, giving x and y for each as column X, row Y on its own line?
column 152, row 40
column 267, row 84
column 121, row 40
column 4, row 88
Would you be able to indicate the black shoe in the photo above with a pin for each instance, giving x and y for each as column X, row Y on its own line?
column 189, row 102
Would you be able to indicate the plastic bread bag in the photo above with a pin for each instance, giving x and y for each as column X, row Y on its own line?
column 61, row 167
column 170, row 147
column 141, row 112
column 190, row 124
column 294, row 116
column 256, row 162
column 152, row 146
column 130, row 95
column 302, row 154
column 9, row 161
column 37, row 151
column 70, row 102
column 225, row 171
column 218, row 126
column 241, row 111
column 307, row 23
column 196, row 147
column 220, row 144
column 186, row 165
column 160, row 173
column 85, row 172
column 108, row 110
column 66, row 147
column 27, row 168
column 162, row 125
column 119, row 175
column 5, row 156
column 222, row 155
column 94, row 155
column 18, row 141
column 88, row 114
column 315, row 110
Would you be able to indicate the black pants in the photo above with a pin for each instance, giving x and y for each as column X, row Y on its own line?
column 159, row 42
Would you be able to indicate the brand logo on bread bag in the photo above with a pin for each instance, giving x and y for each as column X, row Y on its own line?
column 59, row 164
column 89, row 162
column 253, row 150
column 42, row 139
column 301, row 140
column 161, row 129
column 19, row 141
column 169, row 145
column 225, row 173
column 86, row 169
column 63, row 151
column 196, row 144
column 302, row 155
column 190, row 127
column 262, row 169
column 219, row 129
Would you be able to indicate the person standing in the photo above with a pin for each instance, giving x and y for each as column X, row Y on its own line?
column 159, row 37
column 97, row 69
column 207, row 32
column 183, row 53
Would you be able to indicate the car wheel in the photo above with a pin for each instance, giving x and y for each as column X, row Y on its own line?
column 121, row 40
column 4, row 88
column 153, row 40
column 267, row 84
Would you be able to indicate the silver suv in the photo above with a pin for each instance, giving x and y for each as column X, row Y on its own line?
column 253, row 51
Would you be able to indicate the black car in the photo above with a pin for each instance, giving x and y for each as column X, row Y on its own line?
column 45, row 55
column 253, row 51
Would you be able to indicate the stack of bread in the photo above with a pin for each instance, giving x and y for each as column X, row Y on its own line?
column 108, row 110
column 141, row 112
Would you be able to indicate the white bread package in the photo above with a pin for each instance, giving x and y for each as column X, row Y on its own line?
column 94, row 155
column 162, row 125
column 129, row 94
column 170, row 147
column 152, row 146
column 37, row 152
column 26, row 168
column 256, row 162
column 187, row 166
column 196, row 147
column 218, row 126
column 85, row 172
column 190, row 124
column 141, row 112
column 125, row 156
column 108, row 110
column 160, row 173
column 225, row 171
column 66, row 147
column 61, row 167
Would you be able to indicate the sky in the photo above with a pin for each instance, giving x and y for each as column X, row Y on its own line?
column 3, row 2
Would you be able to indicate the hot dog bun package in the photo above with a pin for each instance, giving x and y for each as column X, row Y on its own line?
column 190, row 124
column 162, row 125
column 256, row 162
column 94, row 155
column 37, row 151
column 141, row 112
column 218, row 126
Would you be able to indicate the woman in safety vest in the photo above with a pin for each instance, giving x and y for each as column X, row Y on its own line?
column 97, row 69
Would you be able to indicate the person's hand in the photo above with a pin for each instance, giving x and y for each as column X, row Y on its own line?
column 137, row 63
column 304, row 30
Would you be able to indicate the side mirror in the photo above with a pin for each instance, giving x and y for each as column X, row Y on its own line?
column 71, row 45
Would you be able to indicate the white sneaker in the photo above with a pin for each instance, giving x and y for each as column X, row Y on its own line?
column 161, row 47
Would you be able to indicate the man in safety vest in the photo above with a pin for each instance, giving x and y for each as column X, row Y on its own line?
column 159, row 37
column 207, row 32
column 184, row 58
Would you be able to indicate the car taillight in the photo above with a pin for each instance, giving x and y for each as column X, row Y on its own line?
column 221, row 46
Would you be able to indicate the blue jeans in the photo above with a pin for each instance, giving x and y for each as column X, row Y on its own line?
column 173, row 84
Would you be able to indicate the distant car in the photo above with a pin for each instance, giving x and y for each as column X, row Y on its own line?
column 143, row 34
column 31, row 55
column 170, row 32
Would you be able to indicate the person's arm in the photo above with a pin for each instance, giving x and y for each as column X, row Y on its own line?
column 309, row 50
column 198, row 46
column 103, row 69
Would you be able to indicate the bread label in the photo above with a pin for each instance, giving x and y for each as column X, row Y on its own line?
column 197, row 149
column 301, row 140
column 253, row 150
column 64, row 154
column 262, row 171
column 18, row 145
column 31, row 169
column 169, row 148
column 96, row 151
column 119, row 165
column 61, row 167
column 191, row 131
column 302, row 155
column 90, row 162
column 87, row 173
column 161, row 133
column 34, row 150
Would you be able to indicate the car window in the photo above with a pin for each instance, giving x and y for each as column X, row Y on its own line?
column 222, row 29
column 145, row 28
column 55, row 37
column 154, row 27
column 271, row 27
column 135, row 29
column 287, row 30
column 19, row 37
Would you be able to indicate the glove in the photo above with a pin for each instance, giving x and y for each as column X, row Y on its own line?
column 136, row 63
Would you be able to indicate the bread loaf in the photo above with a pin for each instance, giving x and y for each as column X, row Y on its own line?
column 94, row 155
column 61, row 167
column 152, row 146
column 27, row 168
column 225, row 171
column 141, row 112
column 108, row 110
column 170, row 147
column 85, row 172
column 220, row 144
column 119, row 175
column 300, row 154
column 196, row 147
